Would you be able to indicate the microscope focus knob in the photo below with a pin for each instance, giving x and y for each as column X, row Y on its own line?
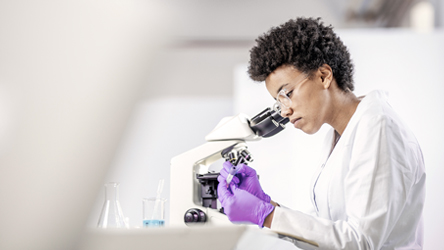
column 194, row 215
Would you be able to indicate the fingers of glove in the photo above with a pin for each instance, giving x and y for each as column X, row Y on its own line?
column 234, row 187
column 227, row 168
column 223, row 192
column 246, row 170
column 224, row 172
column 250, row 182
column 222, row 178
column 248, row 175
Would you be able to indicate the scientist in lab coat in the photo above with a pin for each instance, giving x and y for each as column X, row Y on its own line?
column 369, row 190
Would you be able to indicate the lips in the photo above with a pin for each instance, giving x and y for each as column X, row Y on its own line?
column 295, row 121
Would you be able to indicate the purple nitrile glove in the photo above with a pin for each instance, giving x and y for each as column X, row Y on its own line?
column 241, row 206
column 246, row 179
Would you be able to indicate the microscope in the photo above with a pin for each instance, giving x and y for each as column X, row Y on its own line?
column 193, row 197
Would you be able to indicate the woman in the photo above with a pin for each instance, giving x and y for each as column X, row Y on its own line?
column 369, row 192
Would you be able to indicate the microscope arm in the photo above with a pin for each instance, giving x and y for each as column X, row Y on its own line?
column 184, row 185
column 186, row 201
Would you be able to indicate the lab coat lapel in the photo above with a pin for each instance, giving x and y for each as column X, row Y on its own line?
column 325, row 153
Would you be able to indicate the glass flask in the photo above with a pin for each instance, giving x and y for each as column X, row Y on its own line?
column 112, row 215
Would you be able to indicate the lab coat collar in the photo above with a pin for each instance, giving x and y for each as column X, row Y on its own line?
column 376, row 96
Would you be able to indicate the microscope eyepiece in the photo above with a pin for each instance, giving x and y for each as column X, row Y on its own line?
column 268, row 123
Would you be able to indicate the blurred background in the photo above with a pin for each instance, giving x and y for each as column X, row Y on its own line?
column 111, row 90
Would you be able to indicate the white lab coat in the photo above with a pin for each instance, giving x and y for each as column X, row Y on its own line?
column 369, row 192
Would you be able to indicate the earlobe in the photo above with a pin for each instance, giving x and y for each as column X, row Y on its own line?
column 327, row 83
column 325, row 80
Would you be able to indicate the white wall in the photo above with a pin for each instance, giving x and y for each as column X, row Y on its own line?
column 189, row 68
column 409, row 67
column 221, row 19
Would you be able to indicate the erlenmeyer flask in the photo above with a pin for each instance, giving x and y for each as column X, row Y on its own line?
column 112, row 215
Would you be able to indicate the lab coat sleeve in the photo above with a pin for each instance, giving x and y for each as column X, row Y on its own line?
column 376, row 187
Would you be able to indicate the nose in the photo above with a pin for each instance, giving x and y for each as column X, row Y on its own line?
column 286, row 112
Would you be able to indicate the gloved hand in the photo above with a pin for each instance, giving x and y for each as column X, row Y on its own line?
column 246, row 179
column 241, row 206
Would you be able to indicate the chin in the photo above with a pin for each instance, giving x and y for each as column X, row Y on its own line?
column 310, row 131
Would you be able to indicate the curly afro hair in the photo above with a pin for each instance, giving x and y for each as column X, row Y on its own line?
column 306, row 44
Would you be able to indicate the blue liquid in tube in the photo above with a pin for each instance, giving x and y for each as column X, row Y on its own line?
column 153, row 223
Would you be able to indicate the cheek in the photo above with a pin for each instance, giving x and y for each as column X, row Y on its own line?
column 309, row 105
column 311, row 109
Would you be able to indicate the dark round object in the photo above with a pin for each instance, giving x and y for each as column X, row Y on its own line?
column 194, row 215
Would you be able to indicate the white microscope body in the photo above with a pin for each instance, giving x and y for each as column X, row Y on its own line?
column 188, row 204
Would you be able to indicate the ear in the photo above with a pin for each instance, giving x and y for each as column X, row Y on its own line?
column 326, row 74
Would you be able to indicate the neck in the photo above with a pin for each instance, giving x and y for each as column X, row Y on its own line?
column 344, row 105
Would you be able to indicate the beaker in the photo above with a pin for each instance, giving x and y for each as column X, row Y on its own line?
column 154, row 212
column 112, row 215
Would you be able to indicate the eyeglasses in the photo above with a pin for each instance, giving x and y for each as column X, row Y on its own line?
column 283, row 101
